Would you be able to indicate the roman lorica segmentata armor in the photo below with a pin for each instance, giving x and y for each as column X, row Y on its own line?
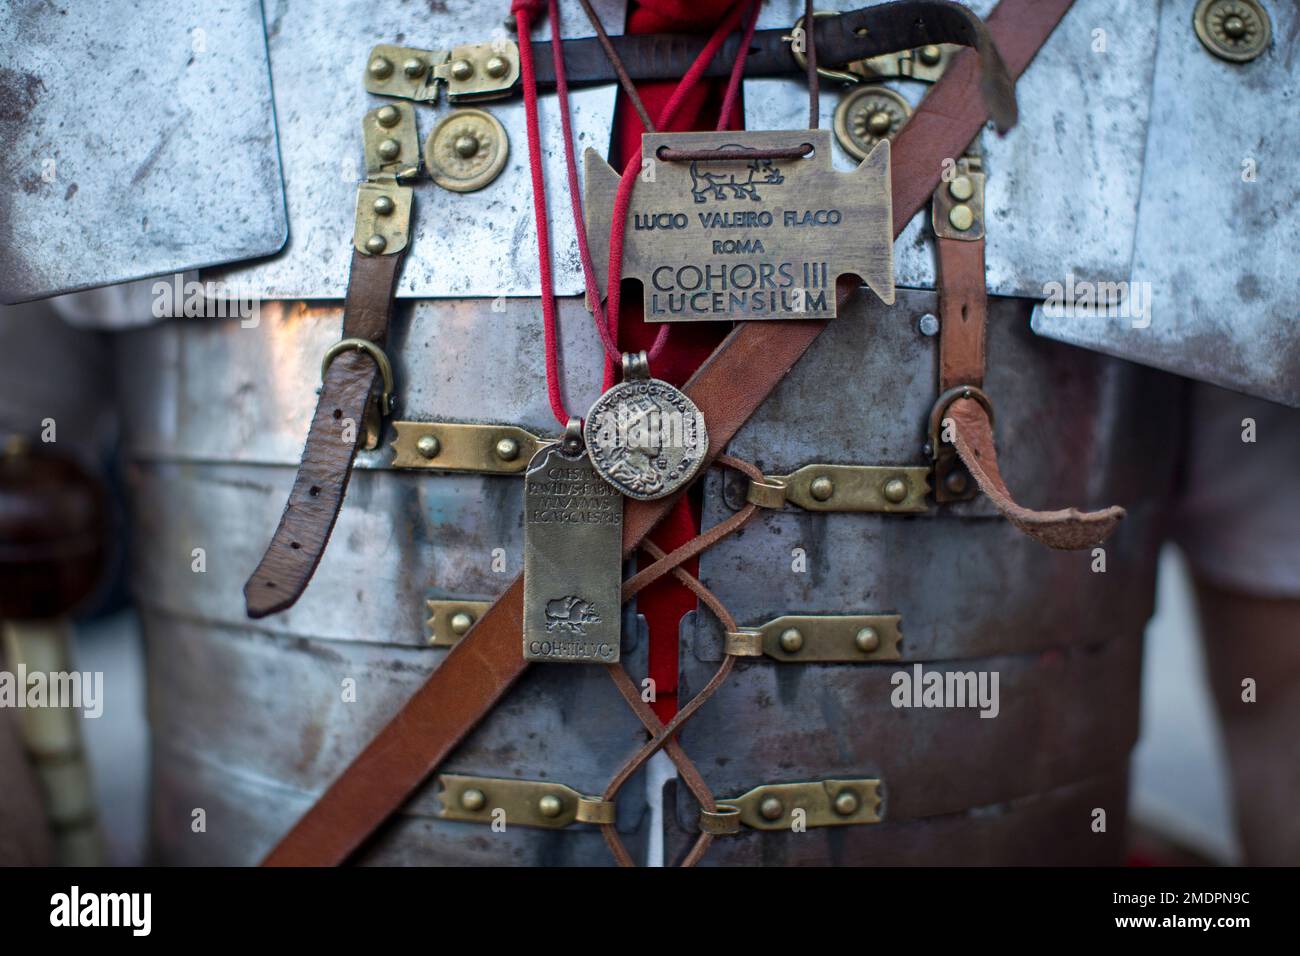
column 884, row 606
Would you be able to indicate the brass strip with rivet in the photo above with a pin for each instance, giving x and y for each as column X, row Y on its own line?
column 451, row 620
column 957, row 210
column 526, row 803
column 825, row 803
column 470, row 72
column 832, row 638
column 454, row 446
column 848, row 488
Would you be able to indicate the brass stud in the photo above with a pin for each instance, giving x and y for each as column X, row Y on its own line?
column 879, row 123
column 389, row 149
column 497, row 67
column 384, row 205
column 376, row 244
column 961, row 217
column 381, row 68
column 388, row 116
column 473, row 800
column 414, row 68
column 461, row 622
column 550, row 806
column 466, row 145
column 931, row 54
column 846, row 803
column 895, row 490
column 867, row 640
column 428, row 446
column 791, row 640
column 771, row 808
column 956, row 482
column 462, row 70
column 822, row 488
column 1234, row 26
column 961, row 188
column 507, row 449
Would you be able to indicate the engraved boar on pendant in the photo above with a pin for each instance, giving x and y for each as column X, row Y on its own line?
column 715, row 179
column 570, row 613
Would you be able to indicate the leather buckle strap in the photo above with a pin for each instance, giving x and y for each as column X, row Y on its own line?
column 963, row 316
column 351, row 370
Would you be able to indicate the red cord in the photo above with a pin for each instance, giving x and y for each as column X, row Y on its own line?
column 607, row 324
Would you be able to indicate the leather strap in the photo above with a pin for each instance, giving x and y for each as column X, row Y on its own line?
column 730, row 385
column 963, row 312
column 963, row 315
column 853, row 35
column 313, row 505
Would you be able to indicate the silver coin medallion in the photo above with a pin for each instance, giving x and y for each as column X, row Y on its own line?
column 644, row 436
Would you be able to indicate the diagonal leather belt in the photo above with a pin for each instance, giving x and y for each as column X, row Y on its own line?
column 728, row 388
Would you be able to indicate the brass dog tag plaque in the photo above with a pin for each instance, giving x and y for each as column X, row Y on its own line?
column 573, row 553
column 737, row 239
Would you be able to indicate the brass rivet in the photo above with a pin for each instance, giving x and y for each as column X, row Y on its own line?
column 389, row 149
column 507, row 449
column 895, row 490
column 867, row 640
column 388, row 116
column 473, row 800
column 466, row 146
column 846, row 803
column 380, row 68
column 961, row 217
column 549, row 805
column 497, row 67
column 791, row 640
column 931, row 54
column 384, row 205
column 413, row 67
column 879, row 122
column 771, row 808
column 1234, row 26
column 956, row 481
column 428, row 446
column 822, row 488
column 461, row 622
column 961, row 188
column 376, row 244
column 462, row 70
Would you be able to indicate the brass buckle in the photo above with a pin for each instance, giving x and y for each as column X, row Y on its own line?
column 380, row 359
column 801, row 58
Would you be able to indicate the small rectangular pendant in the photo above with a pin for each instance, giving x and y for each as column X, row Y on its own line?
column 573, row 554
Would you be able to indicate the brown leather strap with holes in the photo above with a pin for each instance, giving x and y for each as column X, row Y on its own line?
column 336, row 428
column 963, row 312
column 749, row 363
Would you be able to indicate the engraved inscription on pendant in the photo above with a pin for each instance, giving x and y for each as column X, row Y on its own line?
column 645, row 437
column 735, row 236
column 573, row 541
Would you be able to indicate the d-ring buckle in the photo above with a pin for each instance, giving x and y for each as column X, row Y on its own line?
column 941, row 407
column 801, row 58
column 380, row 359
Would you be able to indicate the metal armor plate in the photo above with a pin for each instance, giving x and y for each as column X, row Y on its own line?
column 113, row 118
